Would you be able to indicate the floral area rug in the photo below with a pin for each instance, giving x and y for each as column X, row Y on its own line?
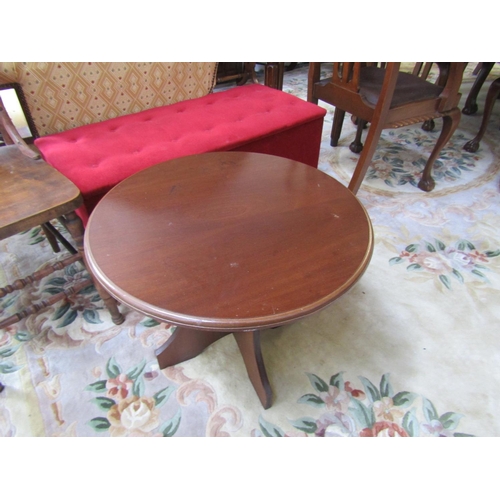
column 411, row 350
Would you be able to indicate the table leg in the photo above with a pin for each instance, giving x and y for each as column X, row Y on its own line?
column 249, row 344
column 185, row 344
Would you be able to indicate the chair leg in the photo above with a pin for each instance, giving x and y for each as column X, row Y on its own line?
column 43, row 304
column 493, row 93
column 357, row 146
column 49, row 229
column 338, row 121
column 313, row 76
column 75, row 227
column 450, row 124
column 428, row 125
column 366, row 156
column 50, row 238
column 470, row 106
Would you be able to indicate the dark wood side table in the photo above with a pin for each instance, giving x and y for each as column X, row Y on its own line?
column 228, row 242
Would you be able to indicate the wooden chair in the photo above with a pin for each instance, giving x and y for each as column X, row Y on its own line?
column 33, row 193
column 422, row 70
column 388, row 98
column 493, row 94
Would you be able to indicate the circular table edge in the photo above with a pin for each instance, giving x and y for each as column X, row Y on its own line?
column 228, row 324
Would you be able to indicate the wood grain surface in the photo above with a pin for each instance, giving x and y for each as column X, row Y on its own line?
column 228, row 241
column 31, row 192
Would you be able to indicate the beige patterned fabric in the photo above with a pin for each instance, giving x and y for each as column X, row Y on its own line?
column 66, row 95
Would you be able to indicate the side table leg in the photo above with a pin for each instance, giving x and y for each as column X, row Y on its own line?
column 185, row 344
column 249, row 344
column 75, row 227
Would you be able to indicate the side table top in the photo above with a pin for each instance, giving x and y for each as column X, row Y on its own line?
column 228, row 241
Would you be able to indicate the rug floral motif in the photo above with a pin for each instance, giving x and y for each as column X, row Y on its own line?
column 128, row 411
column 372, row 412
column 449, row 264
column 389, row 165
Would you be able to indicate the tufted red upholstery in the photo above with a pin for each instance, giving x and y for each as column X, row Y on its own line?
column 252, row 118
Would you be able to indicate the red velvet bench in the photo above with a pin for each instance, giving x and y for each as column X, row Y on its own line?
column 252, row 118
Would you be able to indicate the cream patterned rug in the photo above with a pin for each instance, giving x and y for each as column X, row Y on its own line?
column 411, row 350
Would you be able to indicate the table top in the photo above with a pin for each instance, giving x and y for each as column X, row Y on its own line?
column 228, row 241
column 31, row 192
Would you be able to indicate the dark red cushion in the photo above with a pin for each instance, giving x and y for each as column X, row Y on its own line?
column 96, row 157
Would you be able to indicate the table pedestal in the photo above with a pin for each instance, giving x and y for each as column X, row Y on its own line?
column 186, row 343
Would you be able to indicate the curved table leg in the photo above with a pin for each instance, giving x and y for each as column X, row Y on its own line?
column 249, row 344
column 185, row 344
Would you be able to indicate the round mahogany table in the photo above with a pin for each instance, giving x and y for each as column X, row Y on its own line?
column 228, row 242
